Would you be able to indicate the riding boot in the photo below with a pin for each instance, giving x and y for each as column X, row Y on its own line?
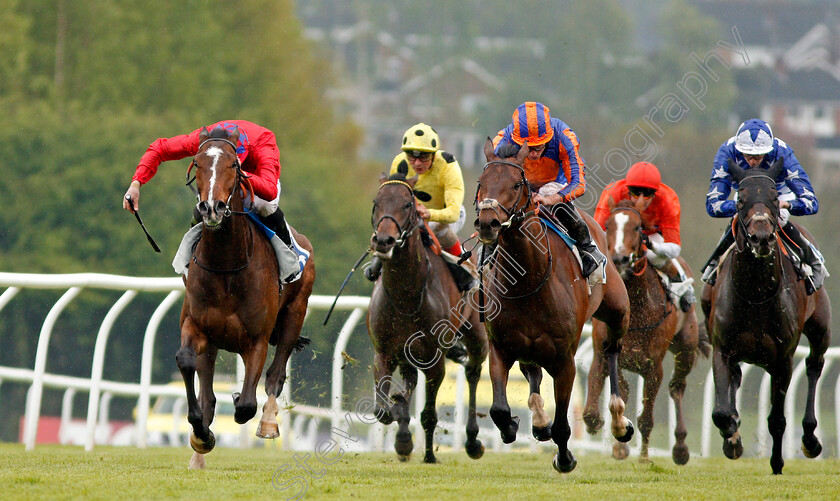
column 463, row 278
column 577, row 229
column 374, row 269
column 196, row 217
column 681, row 287
column 809, row 255
column 710, row 268
column 458, row 353
column 276, row 222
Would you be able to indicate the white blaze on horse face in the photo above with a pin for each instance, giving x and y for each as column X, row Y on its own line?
column 620, row 221
column 216, row 153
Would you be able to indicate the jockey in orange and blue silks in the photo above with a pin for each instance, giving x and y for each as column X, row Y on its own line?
column 554, row 169
column 754, row 147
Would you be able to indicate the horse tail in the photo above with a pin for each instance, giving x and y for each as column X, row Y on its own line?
column 704, row 345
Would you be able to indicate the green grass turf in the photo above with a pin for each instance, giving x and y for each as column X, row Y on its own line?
column 65, row 472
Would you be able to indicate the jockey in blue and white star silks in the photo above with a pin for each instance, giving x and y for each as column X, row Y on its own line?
column 754, row 147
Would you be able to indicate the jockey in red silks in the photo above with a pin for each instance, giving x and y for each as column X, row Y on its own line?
column 754, row 147
column 555, row 169
column 661, row 216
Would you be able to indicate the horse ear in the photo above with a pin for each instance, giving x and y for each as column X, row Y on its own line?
column 523, row 153
column 639, row 205
column 234, row 136
column 383, row 177
column 610, row 203
column 411, row 181
column 776, row 168
column 204, row 134
column 736, row 172
column 489, row 152
column 402, row 168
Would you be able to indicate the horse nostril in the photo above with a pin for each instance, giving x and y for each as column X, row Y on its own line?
column 203, row 207
column 219, row 206
column 477, row 224
column 495, row 224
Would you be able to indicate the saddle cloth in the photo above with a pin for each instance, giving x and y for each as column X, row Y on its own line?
column 600, row 273
column 290, row 259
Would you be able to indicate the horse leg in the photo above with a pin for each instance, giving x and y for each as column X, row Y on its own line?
column 245, row 403
column 564, row 378
column 621, row 427
column 473, row 446
column 287, row 329
column 621, row 450
column 428, row 417
column 400, row 410
column 595, row 381
column 500, row 410
column 382, row 370
column 818, row 334
column 206, row 368
column 776, row 422
column 540, row 421
column 192, row 342
column 727, row 376
column 683, row 363
column 653, row 380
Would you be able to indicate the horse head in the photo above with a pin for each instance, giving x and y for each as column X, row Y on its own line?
column 394, row 215
column 758, row 207
column 625, row 229
column 217, row 174
column 503, row 192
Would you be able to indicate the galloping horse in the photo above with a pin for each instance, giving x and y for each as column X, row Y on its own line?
column 233, row 301
column 540, row 302
column 416, row 314
column 756, row 313
column 656, row 326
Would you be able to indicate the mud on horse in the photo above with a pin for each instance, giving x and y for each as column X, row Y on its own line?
column 416, row 314
column 233, row 301
column 536, row 303
column 657, row 326
column 756, row 313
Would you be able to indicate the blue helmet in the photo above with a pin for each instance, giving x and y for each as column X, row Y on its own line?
column 754, row 137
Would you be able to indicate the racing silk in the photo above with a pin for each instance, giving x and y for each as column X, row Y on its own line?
column 792, row 179
column 662, row 215
column 443, row 182
column 561, row 151
column 256, row 149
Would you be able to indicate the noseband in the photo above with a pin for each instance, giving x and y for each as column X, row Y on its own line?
column 772, row 217
column 241, row 177
column 410, row 221
column 515, row 213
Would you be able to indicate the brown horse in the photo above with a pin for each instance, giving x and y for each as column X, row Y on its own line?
column 233, row 301
column 539, row 302
column 416, row 314
column 756, row 313
column 656, row 327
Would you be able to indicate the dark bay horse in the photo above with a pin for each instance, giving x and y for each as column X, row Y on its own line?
column 416, row 314
column 756, row 313
column 537, row 303
column 233, row 301
column 657, row 326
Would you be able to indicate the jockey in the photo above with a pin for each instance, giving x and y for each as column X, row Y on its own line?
column 555, row 169
column 439, row 176
column 257, row 152
column 754, row 146
column 661, row 215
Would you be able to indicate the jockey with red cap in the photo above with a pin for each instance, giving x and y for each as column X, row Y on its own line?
column 661, row 216
column 754, row 147
column 555, row 170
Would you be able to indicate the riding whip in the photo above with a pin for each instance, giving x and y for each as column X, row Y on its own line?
column 137, row 215
column 344, row 284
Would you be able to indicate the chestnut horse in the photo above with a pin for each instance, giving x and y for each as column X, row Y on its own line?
column 657, row 326
column 756, row 313
column 539, row 302
column 233, row 301
column 416, row 314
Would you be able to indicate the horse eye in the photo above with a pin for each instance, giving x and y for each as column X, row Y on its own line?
column 408, row 205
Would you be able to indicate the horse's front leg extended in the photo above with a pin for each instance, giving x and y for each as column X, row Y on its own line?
column 622, row 428
column 595, row 385
column 500, row 410
column 564, row 378
column 201, row 438
column 653, row 381
column 429, row 418
column 275, row 378
column 245, row 403
column 473, row 446
column 403, row 443
column 818, row 337
column 540, row 421
column 725, row 415
column 382, row 370
column 776, row 422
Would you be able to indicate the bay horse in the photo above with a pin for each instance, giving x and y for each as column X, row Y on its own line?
column 540, row 302
column 657, row 326
column 416, row 314
column 233, row 300
column 756, row 313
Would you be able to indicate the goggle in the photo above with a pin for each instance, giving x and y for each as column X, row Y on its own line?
column 423, row 156
column 643, row 192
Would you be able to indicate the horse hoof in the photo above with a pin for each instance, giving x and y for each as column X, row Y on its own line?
column 403, row 459
column 475, row 449
column 268, row 430
column 811, row 447
column 732, row 447
column 508, row 425
column 594, row 422
column 197, row 461
column 403, row 443
column 543, row 434
column 621, row 451
column 628, row 433
column 567, row 465
column 429, row 458
column 680, row 454
column 777, row 465
column 244, row 413
column 203, row 446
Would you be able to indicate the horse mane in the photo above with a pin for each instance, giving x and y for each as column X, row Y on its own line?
column 398, row 176
column 508, row 150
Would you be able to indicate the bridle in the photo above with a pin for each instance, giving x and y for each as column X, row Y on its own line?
column 638, row 255
column 516, row 213
column 409, row 225
column 242, row 178
column 744, row 222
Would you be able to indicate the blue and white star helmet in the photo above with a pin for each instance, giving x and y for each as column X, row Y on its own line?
column 754, row 137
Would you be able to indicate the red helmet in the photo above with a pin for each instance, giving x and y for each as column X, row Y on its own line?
column 644, row 175
column 532, row 123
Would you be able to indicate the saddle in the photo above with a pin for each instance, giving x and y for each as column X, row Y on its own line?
column 464, row 274
column 597, row 276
